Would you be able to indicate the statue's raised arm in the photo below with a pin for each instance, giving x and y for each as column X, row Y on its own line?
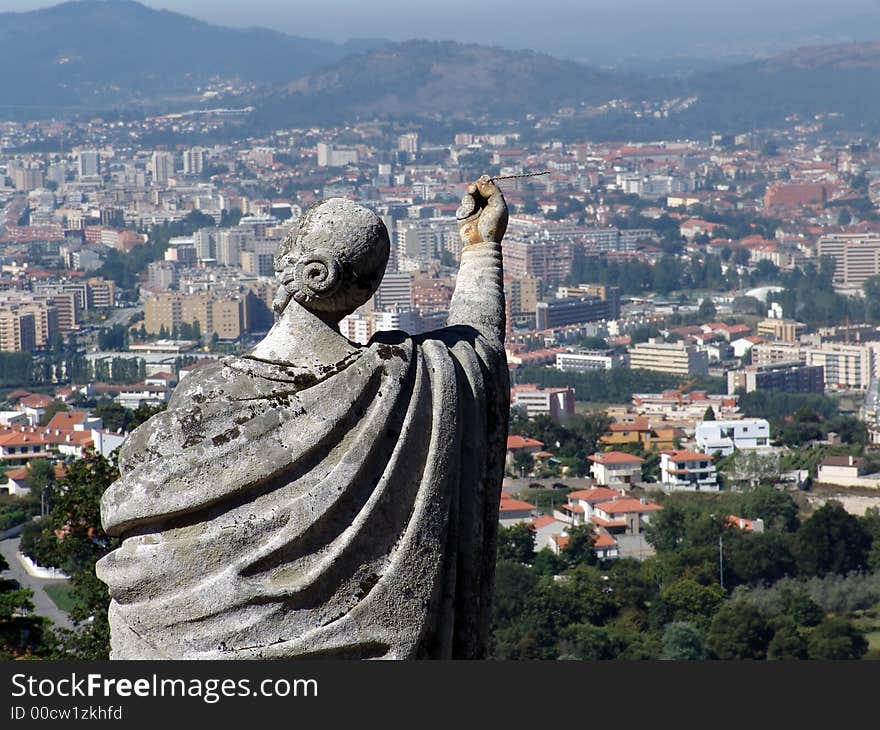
column 479, row 289
column 318, row 498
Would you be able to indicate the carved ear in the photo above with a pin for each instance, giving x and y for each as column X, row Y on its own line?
column 316, row 275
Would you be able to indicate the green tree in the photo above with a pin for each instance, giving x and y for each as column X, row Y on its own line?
column 683, row 641
column 579, row 549
column 836, row 638
column 832, row 541
column 56, row 406
column 691, row 601
column 787, row 643
column 76, row 516
column 41, row 477
column 22, row 635
column 739, row 631
column 706, row 311
column 709, row 415
column 516, row 543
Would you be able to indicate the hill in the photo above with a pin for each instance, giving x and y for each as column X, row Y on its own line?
column 101, row 51
column 443, row 79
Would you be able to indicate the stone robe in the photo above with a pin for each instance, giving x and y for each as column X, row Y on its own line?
column 270, row 515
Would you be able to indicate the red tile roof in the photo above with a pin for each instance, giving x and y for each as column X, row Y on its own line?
column 688, row 456
column 615, row 457
column 623, row 506
column 522, row 442
column 593, row 496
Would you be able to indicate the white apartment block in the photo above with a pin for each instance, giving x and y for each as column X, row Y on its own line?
column 846, row 366
column 586, row 360
column 558, row 403
column 727, row 436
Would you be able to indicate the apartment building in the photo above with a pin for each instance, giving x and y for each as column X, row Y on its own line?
column 857, row 256
column 223, row 315
column 781, row 376
column 558, row 403
column 728, row 436
column 845, row 366
column 582, row 361
column 688, row 471
column 669, row 357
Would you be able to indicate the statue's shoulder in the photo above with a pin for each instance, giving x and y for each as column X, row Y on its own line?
column 206, row 382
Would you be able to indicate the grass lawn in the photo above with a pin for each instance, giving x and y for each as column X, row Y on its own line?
column 869, row 622
column 60, row 593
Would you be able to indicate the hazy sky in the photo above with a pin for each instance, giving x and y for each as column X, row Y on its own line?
column 598, row 30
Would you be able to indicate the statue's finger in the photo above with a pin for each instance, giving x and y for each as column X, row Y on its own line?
column 467, row 208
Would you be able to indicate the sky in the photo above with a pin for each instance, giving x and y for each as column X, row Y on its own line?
column 600, row 31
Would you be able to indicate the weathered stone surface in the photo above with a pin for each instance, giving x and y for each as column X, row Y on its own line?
column 315, row 497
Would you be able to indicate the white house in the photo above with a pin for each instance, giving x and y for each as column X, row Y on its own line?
column 727, row 436
column 615, row 468
column 688, row 471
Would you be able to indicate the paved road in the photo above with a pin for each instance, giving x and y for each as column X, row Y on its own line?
column 43, row 605
column 122, row 315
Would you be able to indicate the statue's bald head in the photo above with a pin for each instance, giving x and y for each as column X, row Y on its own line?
column 334, row 259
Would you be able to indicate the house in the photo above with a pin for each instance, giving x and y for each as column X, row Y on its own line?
column 624, row 515
column 546, row 527
column 34, row 406
column 688, row 471
column 512, row 511
column 727, row 436
column 639, row 432
column 521, row 444
column 18, row 480
column 134, row 396
column 579, row 507
column 163, row 379
column 746, row 525
column 615, row 468
column 604, row 545
column 846, row 471
column 74, row 421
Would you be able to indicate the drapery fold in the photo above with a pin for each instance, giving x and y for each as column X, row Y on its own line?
column 347, row 516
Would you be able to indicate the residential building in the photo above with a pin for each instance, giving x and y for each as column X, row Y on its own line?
column 845, row 366
column 642, row 433
column 669, row 357
column 615, row 468
column 535, row 400
column 582, row 361
column 857, row 256
column 727, row 436
column 688, row 471
column 783, row 377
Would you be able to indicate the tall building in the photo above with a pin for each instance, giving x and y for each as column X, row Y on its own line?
column 847, row 366
column 162, row 167
column 408, row 142
column 88, row 164
column 857, row 256
column 17, row 330
column 223, row 314
column 193, row 161
column 396, row 290
column 549, row 261
column 785, row 377
column 205, row 241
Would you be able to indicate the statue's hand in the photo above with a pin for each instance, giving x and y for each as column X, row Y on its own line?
column 482, row 215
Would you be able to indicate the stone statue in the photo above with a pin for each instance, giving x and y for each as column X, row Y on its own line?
column 318, row 498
